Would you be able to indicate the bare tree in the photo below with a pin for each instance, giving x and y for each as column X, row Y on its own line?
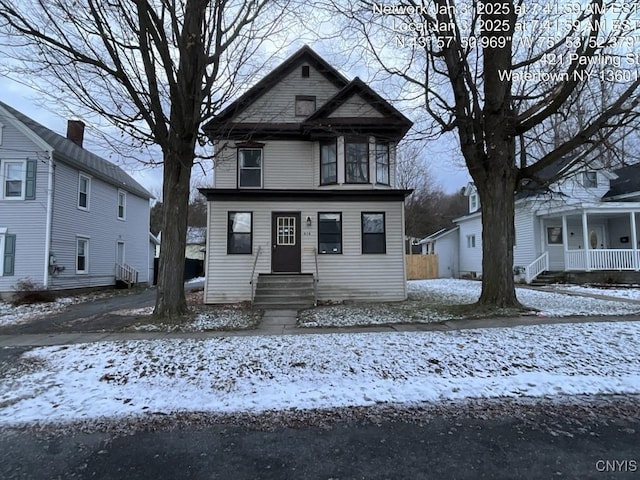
column 499, row 74
column 155, row 69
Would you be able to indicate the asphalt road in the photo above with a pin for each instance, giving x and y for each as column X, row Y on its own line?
column 509, row 448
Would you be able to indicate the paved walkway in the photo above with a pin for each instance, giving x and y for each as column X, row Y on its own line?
column 283, row 322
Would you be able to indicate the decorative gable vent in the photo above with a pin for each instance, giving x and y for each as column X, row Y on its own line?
column 305, row 71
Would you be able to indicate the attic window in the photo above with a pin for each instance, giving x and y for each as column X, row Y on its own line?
column 305, row 71
column 589, row 179
column 305, row 105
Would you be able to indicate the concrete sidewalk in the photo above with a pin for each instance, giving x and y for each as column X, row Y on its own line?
column 283, row 322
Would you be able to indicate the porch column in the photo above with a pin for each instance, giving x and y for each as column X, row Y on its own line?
column 585, row 239
column 634, row 240
column 565, row 241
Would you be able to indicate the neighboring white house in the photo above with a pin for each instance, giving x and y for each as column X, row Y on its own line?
column 196, row 243
column 586, row 222
column 68, row 218
column 305, row 184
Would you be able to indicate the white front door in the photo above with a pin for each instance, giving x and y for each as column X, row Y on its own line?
column 120, row 253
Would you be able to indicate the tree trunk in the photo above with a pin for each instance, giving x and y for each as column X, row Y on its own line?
column 170, row 299
column 498, row 207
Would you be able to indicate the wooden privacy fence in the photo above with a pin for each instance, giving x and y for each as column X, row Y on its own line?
column 421, row 267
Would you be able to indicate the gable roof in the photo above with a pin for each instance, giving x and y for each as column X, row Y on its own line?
column 303, row 55
column 394, row 123
column 196, row 235
column 626, row 183
column 68, row 152
column 439, row 234
column 393, row 120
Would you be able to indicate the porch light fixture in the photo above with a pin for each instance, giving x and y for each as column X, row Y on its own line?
column 308, row 221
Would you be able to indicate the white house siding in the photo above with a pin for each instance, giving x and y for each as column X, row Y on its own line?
column 471, row 257
column 101, row 226
column 572, row 187
column 285, row 163
column 355, row 107
column 278, row 104
column 26, row 219
column 349, row 275
column 525, row 250
column 447, row 248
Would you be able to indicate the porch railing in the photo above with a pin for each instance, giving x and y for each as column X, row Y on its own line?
column 316, row 279
column 536, row 267
column 127, row 274
column 602, row 259
column 253, row 272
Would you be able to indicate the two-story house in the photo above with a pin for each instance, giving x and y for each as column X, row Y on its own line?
column 585, row 222
column 305, row 185
column 68, row 218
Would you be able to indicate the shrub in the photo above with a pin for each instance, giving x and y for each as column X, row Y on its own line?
column 27, row 292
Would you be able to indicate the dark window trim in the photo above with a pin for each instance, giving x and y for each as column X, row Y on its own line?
column 384, row 232
column 261, row 167
column 388, row 164
column 321, row 144
column 341, row 236
column 229, row 232
column 354, row 140
column 304, row 98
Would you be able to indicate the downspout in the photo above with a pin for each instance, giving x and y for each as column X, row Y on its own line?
column 47, row 241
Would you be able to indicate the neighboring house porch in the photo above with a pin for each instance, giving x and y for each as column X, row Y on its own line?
column 588, row 238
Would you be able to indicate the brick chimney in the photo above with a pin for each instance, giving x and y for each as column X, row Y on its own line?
column 75, row 131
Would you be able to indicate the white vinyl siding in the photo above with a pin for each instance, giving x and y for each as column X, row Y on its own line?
column 471, row 257
column 101, row 225
column 285, row 164
column 526, row 249
column 350, row 275
column 355, row 106
column 24, row 219
column 278, row 105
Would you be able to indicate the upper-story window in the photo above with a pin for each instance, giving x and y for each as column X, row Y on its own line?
column 84, row 191
column 382, row 163
column 473, row 202
column 305, row 71
column 250, row 167
column 590, row 179
column 14, row 179
column 122, row 205
column 305, row 105
column 356, row 158
column 328, row 163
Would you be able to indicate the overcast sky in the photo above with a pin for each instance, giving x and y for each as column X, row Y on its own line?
column 445, row 167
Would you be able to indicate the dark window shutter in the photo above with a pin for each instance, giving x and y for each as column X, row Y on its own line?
column 9, row 254
column 30, row 185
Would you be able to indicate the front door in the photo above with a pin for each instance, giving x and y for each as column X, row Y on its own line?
column 285, row 242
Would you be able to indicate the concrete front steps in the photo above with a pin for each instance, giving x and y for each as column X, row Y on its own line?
column 547, row 278
column 284, row 291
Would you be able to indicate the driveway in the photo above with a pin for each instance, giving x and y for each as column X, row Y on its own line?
column 93, row 316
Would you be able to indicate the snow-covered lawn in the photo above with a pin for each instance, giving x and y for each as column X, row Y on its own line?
column 631, row 292
column 261, row 373
column 10, row 315
column 433, row 301
column 208, row 318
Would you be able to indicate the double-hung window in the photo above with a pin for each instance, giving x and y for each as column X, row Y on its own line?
column 328, row 163
column 250, row 167
column 329, row 233
column 14, row 179
column 122, row 205
column 356, row 157
column 84, row 191
column 590, row 179
column 382, row 163
column 239, row 232
column 373, row 233
column 82, row 255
